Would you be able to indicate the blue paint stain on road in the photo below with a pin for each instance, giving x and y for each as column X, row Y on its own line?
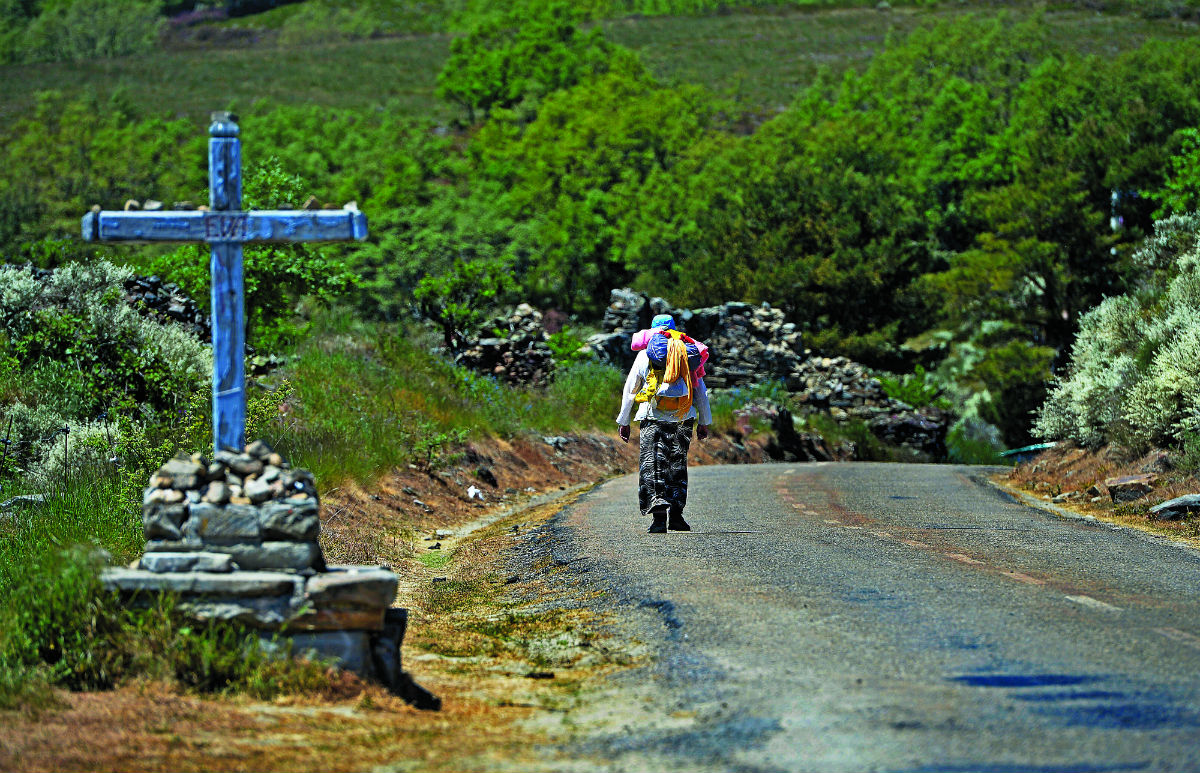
column 1101, row 709
column 976, row 767
column 1073, row 695
column 1141, row 712
column 1023, row 680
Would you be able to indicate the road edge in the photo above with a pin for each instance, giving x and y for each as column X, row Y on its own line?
column 1030, row 500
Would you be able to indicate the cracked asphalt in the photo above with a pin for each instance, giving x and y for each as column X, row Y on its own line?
column 855, row 617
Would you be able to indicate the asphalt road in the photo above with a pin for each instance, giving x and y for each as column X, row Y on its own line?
column 853, row 617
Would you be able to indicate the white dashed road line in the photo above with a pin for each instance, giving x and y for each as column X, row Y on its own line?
column 1088, row 601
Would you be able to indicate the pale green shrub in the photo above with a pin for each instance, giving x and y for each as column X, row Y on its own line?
column 1083, row 405
column 1134, row 374
column 89, row 447
column 82, row 351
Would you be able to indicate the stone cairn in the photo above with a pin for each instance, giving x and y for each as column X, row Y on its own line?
column 517, row 354
column 237, row 539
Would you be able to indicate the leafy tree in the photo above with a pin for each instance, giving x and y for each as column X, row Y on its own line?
column 75, row 30
column 518, row 55
column 456, row 300
column 71, row 154
column 1181, row 190
column 577, row 178
column 276, row 276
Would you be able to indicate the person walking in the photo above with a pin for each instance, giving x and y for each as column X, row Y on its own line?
column 670, row 396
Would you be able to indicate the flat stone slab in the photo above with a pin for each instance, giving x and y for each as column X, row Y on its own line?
column 349, row 649
column 283, row 556
column 338, row 620
column 248, row 584
column 264, row 612
column 1130, row 487
column 195, row 561
column 228, row 523
column 1176, row 508
column 355, row 587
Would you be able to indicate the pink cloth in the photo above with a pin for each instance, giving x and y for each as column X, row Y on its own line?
column 641, row 339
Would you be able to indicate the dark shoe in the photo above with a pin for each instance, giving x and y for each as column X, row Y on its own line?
column 660, row 524
column 676, row 523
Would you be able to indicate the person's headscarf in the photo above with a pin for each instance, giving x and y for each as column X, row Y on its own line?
column 663, row 320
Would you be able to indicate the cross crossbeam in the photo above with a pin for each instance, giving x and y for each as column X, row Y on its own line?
column 285, row 225
column 225, row 227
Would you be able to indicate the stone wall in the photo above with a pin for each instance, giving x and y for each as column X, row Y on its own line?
column 750, row 344
column 513, row 349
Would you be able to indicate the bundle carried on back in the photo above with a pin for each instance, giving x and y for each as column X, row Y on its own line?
column 676, row 363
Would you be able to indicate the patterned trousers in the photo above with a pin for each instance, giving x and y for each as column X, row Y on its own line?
column 662, row 465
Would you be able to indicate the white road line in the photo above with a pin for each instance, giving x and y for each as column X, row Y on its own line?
column 1088, row 601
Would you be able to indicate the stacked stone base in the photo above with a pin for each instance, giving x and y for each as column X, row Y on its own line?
column 343, row 614
column 236, row 539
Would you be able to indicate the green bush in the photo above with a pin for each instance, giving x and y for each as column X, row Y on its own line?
column 518, row 55
column 917, row 389
column 80, row 352
column 76, row 30
column 275, row 276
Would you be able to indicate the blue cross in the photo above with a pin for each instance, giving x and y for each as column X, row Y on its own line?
column 226, row 227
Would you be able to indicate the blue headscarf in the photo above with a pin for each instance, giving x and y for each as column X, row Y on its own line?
column 663, row 320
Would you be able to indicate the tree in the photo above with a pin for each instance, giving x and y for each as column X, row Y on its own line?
column 520, row 54
column 456, row 300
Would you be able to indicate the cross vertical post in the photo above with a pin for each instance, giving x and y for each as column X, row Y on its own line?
column 228, row 309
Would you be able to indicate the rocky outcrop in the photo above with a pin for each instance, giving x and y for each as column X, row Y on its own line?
column 755, row 342
column 752, row 344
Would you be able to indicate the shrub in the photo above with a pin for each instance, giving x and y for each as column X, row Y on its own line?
column 917, row 389
column 275, row 276
column 75, row 30
column 1133, row 375
column 520, row 55
column 82, row 351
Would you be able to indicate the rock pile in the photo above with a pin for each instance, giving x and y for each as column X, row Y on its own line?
column 166, row 302
column 847, row 390
column 237, row 539
column 253, row 507
column 755, row 342
column 750, row 344
column 517, row 353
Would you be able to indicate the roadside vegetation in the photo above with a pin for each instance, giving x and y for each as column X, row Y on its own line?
column 958, row 194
